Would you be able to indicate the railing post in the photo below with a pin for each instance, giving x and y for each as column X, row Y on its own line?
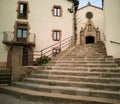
column 70, row 41
column 60, row 45
column 10, row 76
column 41, row 53
column 34, row 37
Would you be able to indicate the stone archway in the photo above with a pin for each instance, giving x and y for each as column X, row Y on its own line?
column 89, row 39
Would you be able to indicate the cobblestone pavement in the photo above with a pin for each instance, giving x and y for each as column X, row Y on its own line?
column 7, row 99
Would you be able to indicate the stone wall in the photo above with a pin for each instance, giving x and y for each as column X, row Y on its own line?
column 26, row 71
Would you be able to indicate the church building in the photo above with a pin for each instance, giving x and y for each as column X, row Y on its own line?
column 90, row 24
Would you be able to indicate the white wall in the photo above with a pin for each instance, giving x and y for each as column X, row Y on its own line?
column 97, row 19
column 7, row 21
column 41, row 21
column 112, row 26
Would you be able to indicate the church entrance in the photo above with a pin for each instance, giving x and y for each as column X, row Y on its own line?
column 90, row 39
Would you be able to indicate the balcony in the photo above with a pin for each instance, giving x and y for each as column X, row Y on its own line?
column 10, row 39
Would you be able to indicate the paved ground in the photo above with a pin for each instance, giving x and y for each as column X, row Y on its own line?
column 7, row 99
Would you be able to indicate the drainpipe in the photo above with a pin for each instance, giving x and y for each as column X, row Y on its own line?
column 75, row 6
column 73, row 10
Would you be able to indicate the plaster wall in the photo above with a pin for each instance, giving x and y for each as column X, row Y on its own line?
column 40, row 19
column 7, row 20
column 112, row 27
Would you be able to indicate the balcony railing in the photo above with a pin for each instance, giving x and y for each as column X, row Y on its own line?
column 10, row 39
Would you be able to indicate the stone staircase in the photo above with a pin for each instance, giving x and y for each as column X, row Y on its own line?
column 83, row 75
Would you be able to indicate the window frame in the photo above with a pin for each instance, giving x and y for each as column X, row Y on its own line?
column 21, row 33
column 56, row 51
column 56, row 35
column 22, row 26
column 21, row 14
column 57, row 11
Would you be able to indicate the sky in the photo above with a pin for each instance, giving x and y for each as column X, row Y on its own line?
column 97, row 3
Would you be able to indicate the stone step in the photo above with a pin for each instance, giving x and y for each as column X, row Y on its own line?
column 77, row 78
column 89, row 49
column 97, row 86
column 81, row 73
column 84, row 56
column 85, row 59
column 82, row 69
column 86, row 53
column 85, row 65
column 54, row 98
column 69, row 90
column 81, row 62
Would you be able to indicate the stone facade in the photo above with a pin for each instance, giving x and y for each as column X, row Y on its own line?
column 90, row 28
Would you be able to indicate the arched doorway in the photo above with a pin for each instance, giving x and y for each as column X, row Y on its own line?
column 90, row 39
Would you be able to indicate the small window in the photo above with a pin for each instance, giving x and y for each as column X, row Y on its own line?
column 22, row 10
column 57, row 11
column 56, row 35
column 56, row 51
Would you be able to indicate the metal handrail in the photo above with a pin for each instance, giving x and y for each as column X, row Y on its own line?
column 48, row 50
column 114, row 42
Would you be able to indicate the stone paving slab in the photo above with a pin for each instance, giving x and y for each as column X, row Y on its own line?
column 7, row 99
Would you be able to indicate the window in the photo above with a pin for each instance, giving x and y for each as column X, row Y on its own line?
column 56, row 51
column 21, row 32
column 56, row 35
column 22, row 10
column 89, row 15
column 57, row 11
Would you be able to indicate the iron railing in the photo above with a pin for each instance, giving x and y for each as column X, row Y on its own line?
column 114, row 42
column 48, row 51
column 5, row 75
column 8, row 36
column 30, row 57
